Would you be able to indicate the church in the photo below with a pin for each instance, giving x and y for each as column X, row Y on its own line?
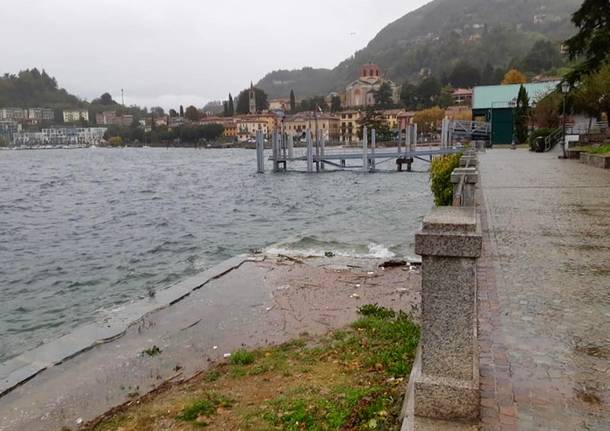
column 361, row 93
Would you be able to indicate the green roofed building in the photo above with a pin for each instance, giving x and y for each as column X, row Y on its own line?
column 496, row 104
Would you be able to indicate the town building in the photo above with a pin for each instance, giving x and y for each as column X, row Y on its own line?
column 329, row 125
column 361, row 93
column 60, row 136
column 110, row 118
column 229, row 124
column 38, row 115
column 73, row 116
column 7, row 129
column 15, row 114
column 496, row 104
column 349, row 125
column 462, row 96
column 279, row 105
column 405, row 118
column 389, row 117
column 248, row 126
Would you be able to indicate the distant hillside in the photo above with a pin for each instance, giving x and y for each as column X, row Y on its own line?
column 32, row 88
column 436, row 36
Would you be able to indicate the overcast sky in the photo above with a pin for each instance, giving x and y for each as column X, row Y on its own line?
column 183, row 52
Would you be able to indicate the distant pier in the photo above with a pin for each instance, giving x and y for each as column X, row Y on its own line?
column 317, row 155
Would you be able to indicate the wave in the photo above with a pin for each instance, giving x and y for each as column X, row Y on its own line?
column 313, row 247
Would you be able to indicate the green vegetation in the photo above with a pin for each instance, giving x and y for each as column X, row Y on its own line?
column 491, row 36
column 203, row 407
column 349, row 379
column 533, row 138
column 152, row 351
column 243, row 101
column 440, row 178
column 372, row 120
column 32, row 88
column 601, row 150
column 242, row 357
column 522, row 116
column 591, row 45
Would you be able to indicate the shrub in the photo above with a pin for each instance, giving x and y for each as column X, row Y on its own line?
column 537, row 134
column 440, row 177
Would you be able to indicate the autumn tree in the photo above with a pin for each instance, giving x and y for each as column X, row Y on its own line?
column 192, row 114
column 427, row 120
column 513, row 76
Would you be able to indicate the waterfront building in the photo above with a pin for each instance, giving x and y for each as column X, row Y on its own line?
column 405, row 118
column 15, row 114
column 7, row 129
column 37, row 115
column 298, row 124
column 60, row 136
column 496, row 104
column 110, row 118
column 361, row 93
column 349, row 125
column 389, row 117
column 229, row 124
column 73, row 116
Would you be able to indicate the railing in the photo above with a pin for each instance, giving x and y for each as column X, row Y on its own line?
column 553, row 139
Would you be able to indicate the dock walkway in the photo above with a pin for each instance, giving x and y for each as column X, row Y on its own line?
column 544, row 295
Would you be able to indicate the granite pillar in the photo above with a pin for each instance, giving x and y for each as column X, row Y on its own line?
column 444, row 383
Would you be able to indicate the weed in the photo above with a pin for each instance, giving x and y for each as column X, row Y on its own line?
column 153, row 351
column 242, row 357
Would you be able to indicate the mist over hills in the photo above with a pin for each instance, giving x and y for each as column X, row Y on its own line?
column 435, row 37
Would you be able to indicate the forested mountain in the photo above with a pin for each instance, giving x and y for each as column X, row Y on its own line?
column 486, row 34
column 32, row 88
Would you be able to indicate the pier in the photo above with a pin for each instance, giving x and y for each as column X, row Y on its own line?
column 317, row 155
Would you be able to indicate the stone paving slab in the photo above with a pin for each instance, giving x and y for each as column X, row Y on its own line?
column 544, row 293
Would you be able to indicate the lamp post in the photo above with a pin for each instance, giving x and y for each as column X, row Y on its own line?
column 565, row 89
column 513, row 103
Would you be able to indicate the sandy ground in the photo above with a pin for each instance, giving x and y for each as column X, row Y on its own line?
column 257, row 304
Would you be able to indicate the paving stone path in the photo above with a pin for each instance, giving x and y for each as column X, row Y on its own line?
column 544, row 293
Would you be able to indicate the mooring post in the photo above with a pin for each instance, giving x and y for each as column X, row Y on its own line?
column 290, row 146
column 322, row 150
column 399, row 141
column 309, row 152
column 373, row 145
column 365, row 150
column 260, row 154
column 275, row 152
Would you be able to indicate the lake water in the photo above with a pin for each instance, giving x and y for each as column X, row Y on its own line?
column 82, row 231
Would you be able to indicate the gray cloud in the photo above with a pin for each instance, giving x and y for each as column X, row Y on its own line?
column 187, row 52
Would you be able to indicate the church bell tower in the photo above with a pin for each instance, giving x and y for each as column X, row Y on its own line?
column 252, row 99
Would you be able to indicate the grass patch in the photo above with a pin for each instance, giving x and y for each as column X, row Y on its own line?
column 205, row 407
column 242, row 357
column 350, row 379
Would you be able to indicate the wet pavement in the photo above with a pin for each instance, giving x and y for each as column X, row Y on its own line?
column 544, row 293
column 255, row 304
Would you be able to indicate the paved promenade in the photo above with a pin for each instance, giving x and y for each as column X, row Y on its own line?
column 544, row 293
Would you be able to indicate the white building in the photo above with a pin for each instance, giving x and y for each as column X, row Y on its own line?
column 72, row 116
column 60, row 136
column 15, row 114
column 41, row 114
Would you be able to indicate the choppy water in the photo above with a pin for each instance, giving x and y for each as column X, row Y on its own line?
column 85, row 230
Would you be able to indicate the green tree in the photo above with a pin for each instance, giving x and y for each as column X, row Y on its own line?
column 446, row 97
column 384, row 96
column 231, row 106
column 105, row 100
column 293, row 102
column 408, row 95
column 313, row 104
column 522, row 115
column 373, row 119
column 173, row 113
column 427, row 92
column 225, row 108
column 192, row 114
column 181, row 111
column 335, row 104
column 543, row 57
column 464, row 75
column 157, row 111
column 243, row 101
column 592, row 97
column 592, row 42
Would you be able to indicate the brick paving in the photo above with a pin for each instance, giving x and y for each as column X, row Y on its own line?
column 544, row 293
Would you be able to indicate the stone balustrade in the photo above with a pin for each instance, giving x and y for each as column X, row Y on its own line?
column 443, row 391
